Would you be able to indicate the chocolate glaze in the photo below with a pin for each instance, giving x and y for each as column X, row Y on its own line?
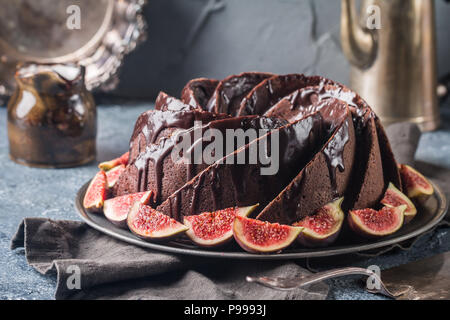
column 148, row 144
column 229, row 92
column 312, row 187
column 334, row 153
column 270, row 91
column 152, row 122
column 312, row 99
column 329, row 136
column 197, row 92
column 156, row 154
column 164, row 102
column 158, row 149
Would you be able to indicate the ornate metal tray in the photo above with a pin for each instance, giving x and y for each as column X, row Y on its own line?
column 428, row 216
column 96, row 34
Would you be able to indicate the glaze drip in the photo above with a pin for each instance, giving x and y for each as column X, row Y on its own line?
column 334, row 153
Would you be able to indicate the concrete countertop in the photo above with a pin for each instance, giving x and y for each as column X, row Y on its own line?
column 27, row 192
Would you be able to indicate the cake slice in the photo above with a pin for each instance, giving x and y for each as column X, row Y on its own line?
column 326, row 177
column 230, row 91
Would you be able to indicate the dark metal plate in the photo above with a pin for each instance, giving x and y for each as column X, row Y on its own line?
column 428, row 217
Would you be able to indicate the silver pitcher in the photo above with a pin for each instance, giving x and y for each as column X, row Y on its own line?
column 394, row 63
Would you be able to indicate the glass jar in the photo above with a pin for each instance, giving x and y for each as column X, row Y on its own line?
column 52, row 119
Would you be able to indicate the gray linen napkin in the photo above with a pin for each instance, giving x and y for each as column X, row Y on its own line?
column 110, row 269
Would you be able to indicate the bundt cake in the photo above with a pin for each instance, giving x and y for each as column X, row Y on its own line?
column 329, row 144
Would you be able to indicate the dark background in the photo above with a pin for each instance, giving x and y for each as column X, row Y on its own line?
column 280, row 36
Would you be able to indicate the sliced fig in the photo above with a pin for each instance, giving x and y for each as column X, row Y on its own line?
column 113, row 175
column 108, row 165
column 152, row 225
column 258, row 236
column 211, row 229
column 414, row 183
column 395, row 198
column 371, row 223
column 116, row 209
column 96, row 193
column 323, row 227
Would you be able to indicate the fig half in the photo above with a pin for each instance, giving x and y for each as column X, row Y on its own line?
column 116, row 209
column 258, row 236
column 96, row 193
column 108, row 165
column 113, row 175
column 395, row 198
column 211, row 229
column 152, row 225
column 323, row 227
column 371, row 223
column 415, row 184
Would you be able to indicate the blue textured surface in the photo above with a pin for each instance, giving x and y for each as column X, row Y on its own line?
column 26, row 192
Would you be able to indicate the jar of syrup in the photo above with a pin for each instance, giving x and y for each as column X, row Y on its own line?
column 52, row 119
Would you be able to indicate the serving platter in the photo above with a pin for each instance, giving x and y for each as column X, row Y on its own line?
column 428, row 216
column 96, row 34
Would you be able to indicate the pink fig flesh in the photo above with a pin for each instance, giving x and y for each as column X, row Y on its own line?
column 116, row 209
column 323, row 227
column 415, row 184
column 211, row 229
column 113, row 175
column 371, row 223
column 108, row 165
column 258, row 236
column 395, row 198
column 96, row 193
column 152, row 225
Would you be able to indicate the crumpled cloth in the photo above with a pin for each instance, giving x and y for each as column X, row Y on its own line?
column 91, row 265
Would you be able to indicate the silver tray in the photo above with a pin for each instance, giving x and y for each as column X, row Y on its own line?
column 428, row 216
column 40, row 31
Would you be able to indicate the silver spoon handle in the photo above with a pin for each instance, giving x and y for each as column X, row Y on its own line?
column 281, row 283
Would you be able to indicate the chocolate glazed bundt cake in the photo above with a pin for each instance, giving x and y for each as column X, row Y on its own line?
column 330, row 143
